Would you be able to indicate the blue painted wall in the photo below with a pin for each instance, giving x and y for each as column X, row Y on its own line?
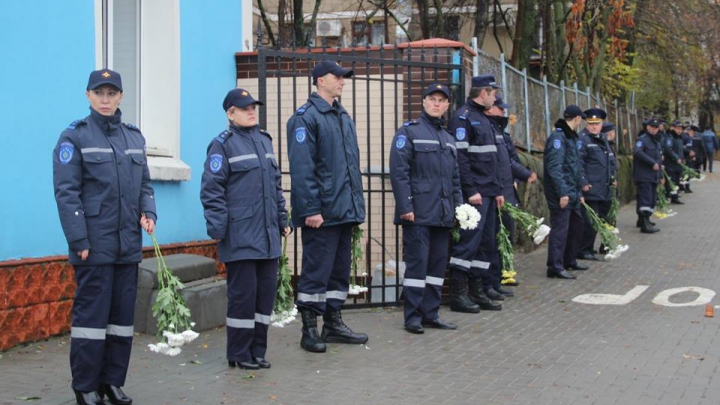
column 48, row 49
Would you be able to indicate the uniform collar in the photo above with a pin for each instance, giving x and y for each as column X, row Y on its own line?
column 436, row 122
column 475, row 105
column 562, row 124
column 323, row 105
column 242, row 130
column 106, row 123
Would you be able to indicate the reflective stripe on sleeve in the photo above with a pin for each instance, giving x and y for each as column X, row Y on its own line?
column 242, row 157
column 96, row 150
column 134, row 151
column 482, row 149
column 462, row 145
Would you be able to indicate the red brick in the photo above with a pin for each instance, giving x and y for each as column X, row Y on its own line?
column 59, row 317
column 4, row 288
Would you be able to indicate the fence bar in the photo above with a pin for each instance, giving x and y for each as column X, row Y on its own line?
column 503, row 65
column 476, row 58
column 547, row 104
column 562, row 90
column 527, row 109
column 589, row 98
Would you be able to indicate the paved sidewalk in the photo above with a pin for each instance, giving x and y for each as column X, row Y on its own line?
column 542, row 348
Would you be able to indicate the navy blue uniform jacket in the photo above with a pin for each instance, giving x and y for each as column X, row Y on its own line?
column 561, row 167
column 648, row 151
column 477, row 152
column 597, row 166
column 424, row 173
column 242, row 195
column 102, row 185
column 324, row 164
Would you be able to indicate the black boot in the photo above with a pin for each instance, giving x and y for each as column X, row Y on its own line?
column 687, row 188
column 311, row 340
column 639, row 222
column 646, row 227
column 88, row 398
column 115, row 395
column 460, row 301
column 477, row 295
column 335, row 331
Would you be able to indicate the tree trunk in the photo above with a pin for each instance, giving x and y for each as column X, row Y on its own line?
column 266, row 23
column 298, row 28
column 481, row 21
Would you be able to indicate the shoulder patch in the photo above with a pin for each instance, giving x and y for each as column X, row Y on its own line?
column 463, row 116
column 300, row 135
column 639, row 144
column 411, row 122
column 579, row 145
column 76, row 124
column 216, row 161
column 558, row 129
column 223, row 136
column 460, row 134
column 669, row 142
column 301, row 110
column 400, row 141
column 557, row 143
column 65, row 152
column 131, row 126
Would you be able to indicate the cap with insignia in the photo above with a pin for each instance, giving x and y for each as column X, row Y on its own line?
column 499, row 103
column 485, row 81
column 328, row 66
column 239, row 98
column 607, row 127
column 677, row 123
column 573, row 111
column 436, row 88
column 653, row 122
column 104, row 76
column 595, row 115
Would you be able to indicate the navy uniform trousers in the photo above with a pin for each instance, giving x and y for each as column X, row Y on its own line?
column 646, row 198
column 602, row 209
column 473, row 253
column 566, row 227
column 251, row 286
column 325, row 277
column 102, row 325
column 425, row 249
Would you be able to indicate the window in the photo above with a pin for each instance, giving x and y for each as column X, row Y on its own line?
column 368, row 32
column 140, row 39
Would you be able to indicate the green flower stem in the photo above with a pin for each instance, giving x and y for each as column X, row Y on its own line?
column 507, row 252
column 169, row 308
column 355, row 253
column 526, row 221
column 614, row 206
column 609, row 238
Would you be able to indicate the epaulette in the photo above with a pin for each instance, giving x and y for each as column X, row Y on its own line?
column 463, row 116
column 131, row 126
column 558, row 130
column 301, row 110
column 224, row 135
column 76, row 124
column 266, row 133
column 474, row 122
column 409, row 123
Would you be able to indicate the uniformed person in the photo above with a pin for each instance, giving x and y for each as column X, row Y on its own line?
column 244, row 208
column 327, row 202
column 711, row 144
column 688, row 154
column 426, row 187
column 647, row 172
column 518, row 171
column 562, row 181
column 104, row 198
column 597, row 176
column 673, row 151
column 609, row 131
column 479, row 178
column 698, row 149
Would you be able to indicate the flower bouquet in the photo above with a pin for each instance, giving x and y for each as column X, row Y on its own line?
column 467, row 218
column 689, row 174
column 355, row 260
column 614, row 206
column 528, row 222
column 608, row 234
column 662, row 206
column 173, row 315
column 284, row 310
column 673, row 188
column 507, row 253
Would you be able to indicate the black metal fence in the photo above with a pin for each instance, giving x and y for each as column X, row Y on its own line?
column 384, row 91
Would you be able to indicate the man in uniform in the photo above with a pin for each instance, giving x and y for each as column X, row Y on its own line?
column 426, row 187
column 688, row 154
column 597, row 176
column 478, row 165
column 673, row 151
column 647, row 166
column 698, row 148
column 561, row 180
column 327, row 202
column 711, row 143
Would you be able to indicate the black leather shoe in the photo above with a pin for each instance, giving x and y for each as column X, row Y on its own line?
column 438, row 324
column 262, row 362
column 515, row 284
column 587, row 256
column 494, row 295
column 477, row 295
column 415, row 328
column 677, row 202
column 114, row 394
column 504, row 291
column 576, row 267
column 88, row 398
column 560, row 274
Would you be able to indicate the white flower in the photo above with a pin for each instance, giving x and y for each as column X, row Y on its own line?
column 540, row 221
column 283, row 318
column 616, row 231
column 467, row 216
column 356, row 289
column 174, row 339
column 161, row 348
column 173, row 351
column 189, row 335
column 611, row 256
column 540, row 234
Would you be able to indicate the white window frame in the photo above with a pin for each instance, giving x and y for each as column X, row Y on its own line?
column 158, row 74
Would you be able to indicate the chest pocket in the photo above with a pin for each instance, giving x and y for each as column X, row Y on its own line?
column 244, row 163
column 138, row 158
column 98, row 165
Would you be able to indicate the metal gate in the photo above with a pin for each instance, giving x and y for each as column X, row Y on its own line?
column 384, row 92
